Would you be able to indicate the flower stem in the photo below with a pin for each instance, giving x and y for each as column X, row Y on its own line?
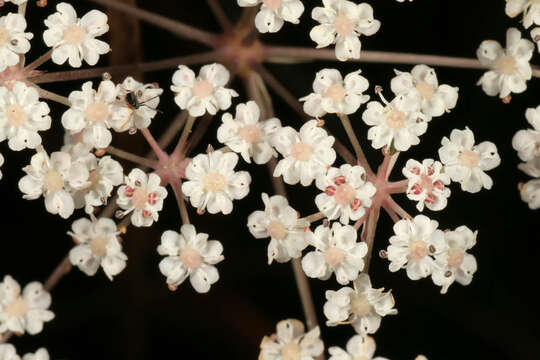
column 198, row 133
column 161, row 155
column 371, row 226
column 397, row 187
column 131, row 157
column 44, row 94
column 315, row 217
column 176, row 185
column 219, row 14
column 362, row 160
column 22, row 8
column 180, row 147
column 39, row 61
column 390, row 203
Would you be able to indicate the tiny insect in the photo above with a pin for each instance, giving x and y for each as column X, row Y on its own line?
column 132, row 100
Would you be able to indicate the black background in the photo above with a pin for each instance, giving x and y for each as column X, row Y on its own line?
column 137, row 317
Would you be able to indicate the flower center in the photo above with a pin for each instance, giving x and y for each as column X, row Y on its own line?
column 214, row 181
column 97, row 112
column 506, row 65
column 425, row 90
column 343, row 25
column 290, row 351
column 74, row 35
column 395, row 120
column 418, row 249
column 344, row 194
column 17, row 307
column 140, row 197
column 16, row 115
column 426, row 183
column 190, row 257
column 98, row 245
column 335, row 92
column 4, row 36
column 277, row 230
column 53, row 181
column 334, row 256
column 455, row 257
column 469, row 159
column 250, row 133
column 202, row 89
column 301, row 151
column 93, row 178
column 360, row 305
column 272, row 4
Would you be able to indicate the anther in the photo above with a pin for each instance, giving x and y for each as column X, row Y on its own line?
column 325, row 222
column 132, row 130
column 320, row 122
column 432, row 249
column 200, row 211
column 119, row 214
column 383, row 254
column 172, row 287
column 100, row 152
column 106, row 76
column 41, row 3
column 506, row 99
column 209, row 149
column 448, row 273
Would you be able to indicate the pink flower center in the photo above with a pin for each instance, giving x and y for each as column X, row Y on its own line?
column 469, row 159
column 425, row 90
column 360, row 305
column 202, row 89
column 418, row 249
column 4, row 36
column 53, row 181
column 250, row 133
column 98, row 245
column 97, row 112
column 93, row 177
column 395, row 120
column 15, row 115
column 17, row 307
column 343, row 25
column 290, row 351
column 301, row 151
column 272, row 4
column 277, row 230
column 140, row 196
column 335, row 92
column 74, row 35
column 426, row 183
column 334, row 256
column 190, row 257
column 214, row 182
column 455, row 257
column 506, row 65
column 344, row 194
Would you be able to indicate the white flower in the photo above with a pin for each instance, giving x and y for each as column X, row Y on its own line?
column 527, row 142
column 454, row 264
column 358, row 347
column 273, row 13
column 26, row 311
column 529, row 8
column 510, row 67
column 13, row 39
column 346, row 194
column 190, row 254
column 332, row 94
column 213, row 184
column 205, row 93
column 427, row 182
column 530, row 193
column 22, row 115
column 97, row 244
column 307, row 154
column 465, row 162
column 291, row 342
column 51, row 177
column 142, row 100
column 143, row 196
column 246, row 135
column 413, row 245
column 422, row 82
column 362, row 307
column 280, row 222
column 41, row 354
column 336, row 252
column 1, row 163
column 398, row 124
column 531, row 167
column 94, row 112
column 341, row 23
column 73, row 39
column 8, row 352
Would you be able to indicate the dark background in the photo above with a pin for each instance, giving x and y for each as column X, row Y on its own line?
column 137, row 317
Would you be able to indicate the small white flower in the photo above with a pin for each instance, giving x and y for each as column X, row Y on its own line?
column 51, row 177
column 13, row 39
column 97, row 245
column 527, row 142
column 22, row 115
column 190, row 254
column 73, row 39
column 531, row 167
column 273, row 13
column 333, row 94
column 422, row 82
column 529, row 8
column 1, row 163
column 530, row 193
column 398, row 124
column 41, row 354
column 213, row 184
column 205, row 93
column 142, row 100
column 336, row 252
column 363, row 307
column 8, row 352
column 246, row 135
column 427, row 182
column 510, row 68
column 466, row 162
column 413, row 245
column 23, row 312
column 454, row 264
column 358, row 347
column 279, row 221
column 307, row 153
column 291, row 342
column 346, row 194
column 143, row 196
column 341, row 23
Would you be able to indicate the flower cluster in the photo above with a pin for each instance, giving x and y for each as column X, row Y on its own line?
column 8, row 352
